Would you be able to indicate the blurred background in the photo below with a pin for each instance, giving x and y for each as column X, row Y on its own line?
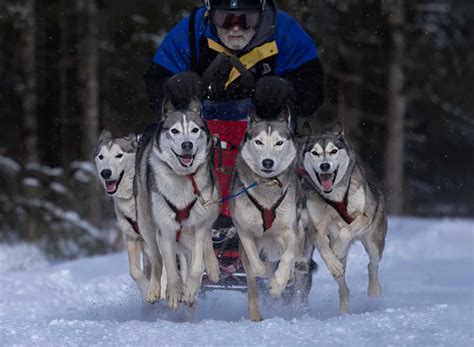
column 399, row 76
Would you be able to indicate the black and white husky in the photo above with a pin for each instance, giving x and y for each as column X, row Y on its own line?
column 344, row 205
column 266, row 214
column 175, row 191
column 115, row 163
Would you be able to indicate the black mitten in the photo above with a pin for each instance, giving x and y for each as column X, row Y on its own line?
column 271, row 93
column 182, row 87
column 215, row 77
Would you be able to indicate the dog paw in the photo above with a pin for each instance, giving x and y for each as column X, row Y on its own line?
column 344, row 307
column 173, row 296
column 190, row 291
column 260, row 270
column 213, row 272
column 374, row 290
column 335, row 267
column 154, row 291
column 256, row 317
column 276, row 287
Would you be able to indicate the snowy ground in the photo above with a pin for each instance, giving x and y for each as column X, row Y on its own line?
column 427, row 277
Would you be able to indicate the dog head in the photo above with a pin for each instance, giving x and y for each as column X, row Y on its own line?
column 269, row 147
column 183, row 141
column 327, row 157
column 115, row 161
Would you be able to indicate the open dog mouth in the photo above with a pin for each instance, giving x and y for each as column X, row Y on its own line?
column 185, row 160
column 112, row 186
column 326, row 180
column 267, row 171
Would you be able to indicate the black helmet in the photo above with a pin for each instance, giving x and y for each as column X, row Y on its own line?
column 235, row 4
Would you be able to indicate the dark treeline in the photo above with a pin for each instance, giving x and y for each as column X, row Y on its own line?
column 399, row 76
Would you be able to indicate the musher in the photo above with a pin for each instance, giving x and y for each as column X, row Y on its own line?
column 234, row 54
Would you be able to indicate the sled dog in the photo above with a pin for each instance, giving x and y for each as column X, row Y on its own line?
column 266, row 214
column 344, row 205
column 115, row 163
column 174, row 187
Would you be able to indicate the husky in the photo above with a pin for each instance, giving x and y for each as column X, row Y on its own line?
column 176, row 190
column 265, row 213
column 344, row 205
column 115, row 163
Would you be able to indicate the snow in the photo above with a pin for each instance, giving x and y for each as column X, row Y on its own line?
column 426, row 274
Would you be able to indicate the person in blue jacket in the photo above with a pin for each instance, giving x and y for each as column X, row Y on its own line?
column 234, row 54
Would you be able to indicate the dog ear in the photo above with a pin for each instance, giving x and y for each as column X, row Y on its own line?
column 252, row 115
column 105, row 135
column 338, row 129
column 167, row 107
column 195, row 105
column 133, row 138
column 285, row 115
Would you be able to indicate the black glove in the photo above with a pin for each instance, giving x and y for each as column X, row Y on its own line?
column 182, row 87
column 271, row 93
column 215, row 77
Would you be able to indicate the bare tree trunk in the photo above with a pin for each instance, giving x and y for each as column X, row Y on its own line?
column 396, row 107
column 88, row 70
column 29, row 100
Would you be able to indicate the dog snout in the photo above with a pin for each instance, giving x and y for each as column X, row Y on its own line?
column 268, row 163
column 324, row 166
column 106, row 173
column 187, row 145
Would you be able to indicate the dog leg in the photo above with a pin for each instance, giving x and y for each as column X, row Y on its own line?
column 283, row 272
column 134, row 251
column 259, row 269
column 333, row 264
column 148, row 232
column 252, row 292
column 354, row 230
column 193, row 282
column 174, row 286
column 146, row 262
column 210, row 259
column 344, row 293
column 154, row 286
column 374, row 290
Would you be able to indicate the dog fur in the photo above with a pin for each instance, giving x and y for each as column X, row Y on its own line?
column 344, row 205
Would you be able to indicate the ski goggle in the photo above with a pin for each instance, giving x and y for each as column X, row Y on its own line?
column 227, row 19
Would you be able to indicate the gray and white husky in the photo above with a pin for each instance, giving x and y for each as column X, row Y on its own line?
column 174, row 185
column 344, row 205
column 115, row 163
column 266, row 216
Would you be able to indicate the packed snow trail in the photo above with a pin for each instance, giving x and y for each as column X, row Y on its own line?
column 426, row 274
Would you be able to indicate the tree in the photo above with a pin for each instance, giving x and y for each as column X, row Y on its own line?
column 27, row 46
column 396, row 107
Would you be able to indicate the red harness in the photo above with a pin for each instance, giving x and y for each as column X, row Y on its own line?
column 183, row 214
column 268, row 214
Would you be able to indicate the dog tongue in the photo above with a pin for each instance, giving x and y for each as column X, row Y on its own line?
column 186, row 159
column 326, row 182
column 110, row 186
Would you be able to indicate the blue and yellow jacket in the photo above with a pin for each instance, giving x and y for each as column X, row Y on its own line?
column 280, row 47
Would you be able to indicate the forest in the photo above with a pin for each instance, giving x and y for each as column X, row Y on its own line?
column 398, row 77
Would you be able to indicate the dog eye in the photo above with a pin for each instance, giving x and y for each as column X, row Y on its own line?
column 175, row 131
column 119, row 155
column 279, row 143
column 315, row 153
column 258, row 142
column 334, row 151
column 195, row 130
column 101, row 157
